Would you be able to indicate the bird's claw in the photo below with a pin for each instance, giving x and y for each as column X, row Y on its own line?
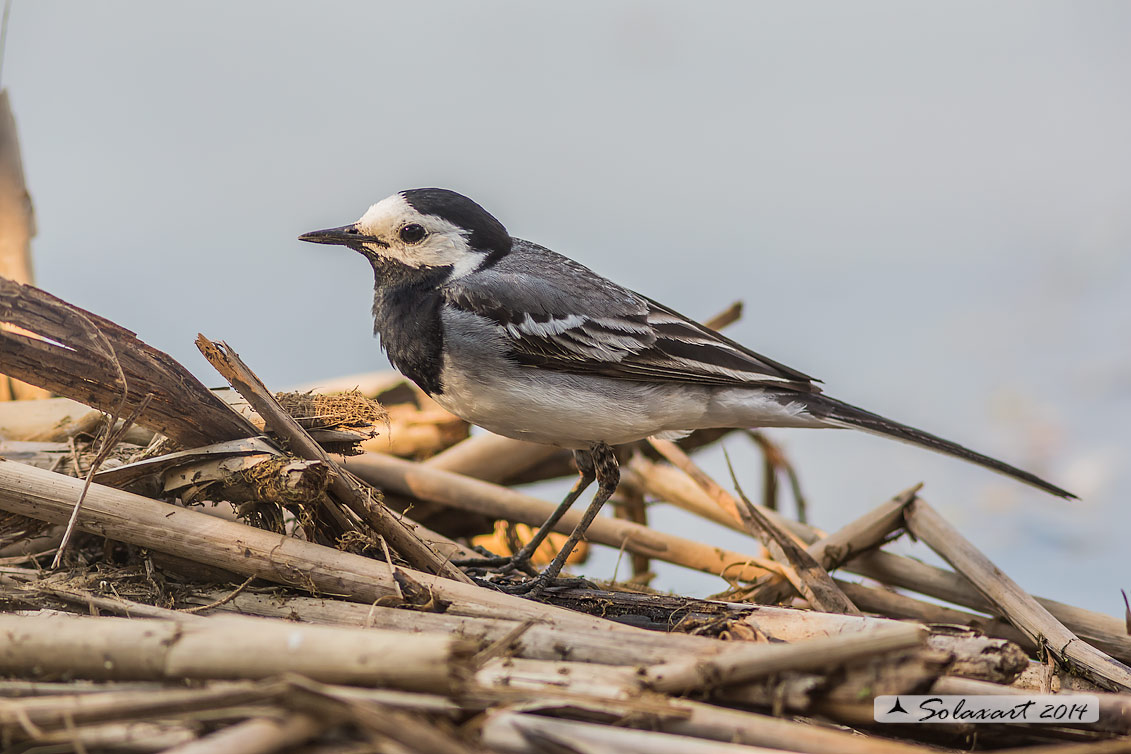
column 499, row 564
column 535, row 586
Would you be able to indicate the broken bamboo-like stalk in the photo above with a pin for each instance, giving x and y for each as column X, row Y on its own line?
column 1012, row 601
column 347, row 489
column 458, row 491
column 864, row 533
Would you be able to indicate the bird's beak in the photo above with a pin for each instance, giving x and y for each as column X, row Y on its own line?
column 345, row 235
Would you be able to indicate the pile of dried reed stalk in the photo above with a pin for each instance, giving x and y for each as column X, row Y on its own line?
column 321, row 611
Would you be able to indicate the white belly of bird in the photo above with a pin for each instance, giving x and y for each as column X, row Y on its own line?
column 556, row 408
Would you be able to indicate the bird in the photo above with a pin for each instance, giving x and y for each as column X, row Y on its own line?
column 532, row 345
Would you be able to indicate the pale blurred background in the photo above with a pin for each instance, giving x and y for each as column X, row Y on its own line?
column 925, row 205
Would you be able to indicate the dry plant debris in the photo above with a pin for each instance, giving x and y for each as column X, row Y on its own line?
column 320, row 612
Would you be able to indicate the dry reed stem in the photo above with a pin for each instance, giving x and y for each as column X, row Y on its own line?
column 818, row 588
column 262, row 735
column 1014, row 603
column 902, row 607
column 743, row 663
column 230, row 648
column 864, row 533
column 861, row 534
column 672, row 485
column 52, row 712
column 893, row 673
column 388, row 716
column 629, row 504
column 114, row 605
column 514, row 679
column 844, row 694
column 415, row 480
column 676, row 457
column 541, row 641
column 732, row 508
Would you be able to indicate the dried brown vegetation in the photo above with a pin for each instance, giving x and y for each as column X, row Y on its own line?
column 251, row 573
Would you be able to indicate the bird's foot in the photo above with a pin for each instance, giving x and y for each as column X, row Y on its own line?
column 535, row 586
column 499, row 564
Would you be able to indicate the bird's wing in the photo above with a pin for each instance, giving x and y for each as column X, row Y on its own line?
column 557, row 314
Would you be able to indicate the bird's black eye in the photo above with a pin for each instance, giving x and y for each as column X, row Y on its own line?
column 413, row 233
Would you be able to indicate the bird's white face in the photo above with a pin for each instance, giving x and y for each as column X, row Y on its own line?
column 415, row 239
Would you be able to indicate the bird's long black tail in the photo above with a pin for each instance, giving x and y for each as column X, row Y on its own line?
column 838, row 413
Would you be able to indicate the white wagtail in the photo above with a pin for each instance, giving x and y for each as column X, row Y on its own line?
column 529, row 344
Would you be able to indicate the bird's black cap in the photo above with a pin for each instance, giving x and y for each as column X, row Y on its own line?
column 484, row 231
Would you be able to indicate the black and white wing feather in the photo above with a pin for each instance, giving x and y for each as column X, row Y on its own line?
column 558, row 314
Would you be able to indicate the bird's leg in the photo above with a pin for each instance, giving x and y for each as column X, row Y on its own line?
column 521, row 559
column 607, row 472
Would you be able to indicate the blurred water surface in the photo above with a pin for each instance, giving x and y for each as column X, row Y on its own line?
column 926, row 205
